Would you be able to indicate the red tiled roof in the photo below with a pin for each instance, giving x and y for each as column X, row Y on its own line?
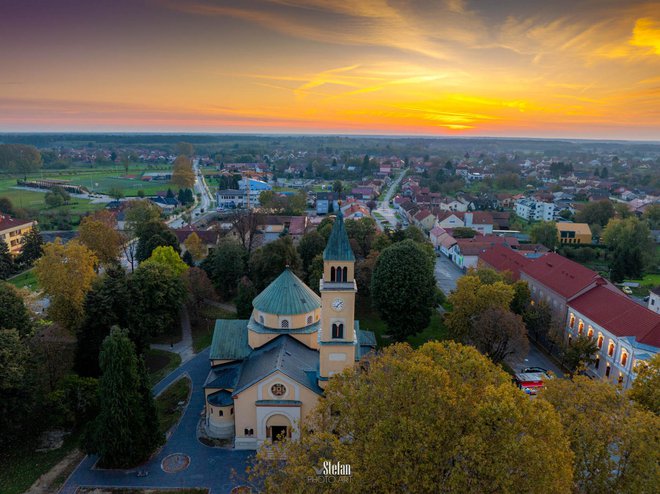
column 424, row 213
column 503, row 258
column 619, row 315
column 7, row 222
column 209, row 237
column 479, row 244
column 561, row 275
column 482, row 218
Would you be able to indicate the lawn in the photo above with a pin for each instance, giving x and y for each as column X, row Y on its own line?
column 646, row 284
column 24, row 465
column 27, row 279
column 167, row 403
column 119, row 490
column 202, row 330
column 160, row 363
column 371, row 321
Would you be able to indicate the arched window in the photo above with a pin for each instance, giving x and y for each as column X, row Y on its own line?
column 261, row 319
column 597, row 362
column 284, row 324
column 339, row 278
column 620, row 380
column 590, row 332
column 607, row 370
column 337, row 330
column 221, row 413
column 572, row 321
column 580, row 327
column 624, row 358
column 345, row 274
column 610, row 349
column 332, row 273
column 309, row 319
column 600, row 341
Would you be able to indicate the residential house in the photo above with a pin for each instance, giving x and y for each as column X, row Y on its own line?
column 12, row 231
column 209, row 238
column 327, row 202
column 450, row 219
column 465, row 254
column 425, row 220
column 533, row 210
column 654, row 300
column 574, row 233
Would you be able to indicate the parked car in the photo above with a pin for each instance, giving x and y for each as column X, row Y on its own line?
column 535, row 369
column 627, row 290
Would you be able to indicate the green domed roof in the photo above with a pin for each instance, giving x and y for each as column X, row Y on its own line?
column 287, row 295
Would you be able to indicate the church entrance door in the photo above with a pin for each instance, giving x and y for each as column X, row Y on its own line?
column 278, row 432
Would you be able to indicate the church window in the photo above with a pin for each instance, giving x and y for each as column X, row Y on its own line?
column 285, row 324
column 278, row 389
column 624, row 358
column 332, row 273
column 231, row 412
column 337, row 330
column 338, row 278
column 580, row 327
column 345, row 274
column 572, row 322
column 607, row 370
column 590, row 333
column 600, row 341
column 247, row 432
column 610, row 349
column 220, row 413
column 261, row 319
column 251, row 432
column 309, row 319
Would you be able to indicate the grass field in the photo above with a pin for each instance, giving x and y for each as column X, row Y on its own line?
column 160, row 363
column 27, row 279
column 169, row 411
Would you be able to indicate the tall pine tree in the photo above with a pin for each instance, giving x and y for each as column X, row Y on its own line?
column 6, row 261
column 123, row 433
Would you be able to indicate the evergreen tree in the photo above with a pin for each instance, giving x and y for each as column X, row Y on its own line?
column 33, row 248
column 13, row 313
column 122, row 434
column 106, row 305
column 244, row 297
column 188, row 258
column 154, row 234
column 6, row 261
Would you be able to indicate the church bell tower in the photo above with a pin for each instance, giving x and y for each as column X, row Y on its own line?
column 337, row 336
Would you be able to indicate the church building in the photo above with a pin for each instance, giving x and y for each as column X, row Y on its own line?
column 268, row 372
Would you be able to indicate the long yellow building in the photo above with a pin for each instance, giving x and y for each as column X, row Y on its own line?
column 574, row 233
column 13, row 230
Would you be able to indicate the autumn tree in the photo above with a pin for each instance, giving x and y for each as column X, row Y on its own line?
column 545, row 233
column 616, row 446
column 195, row 246
column 403, row 288
column 499, row 334
column 140, row 214
column 471, row 298
column 7, row 267
column 468, row 430
column 645, row 388
column 168, row 258
column 268, row 262
column 65, row 273
column 13, row 312
column 225, row 266
column 245, row 225
column 200, row 289
column 185, row 149
column 123, row 433
column 19, row 158
column 183, row 175
column 596, row 213
column 99, row 233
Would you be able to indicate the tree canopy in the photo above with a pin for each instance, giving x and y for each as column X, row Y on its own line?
column 167, row 257
column 403, row 288
column 545, row 233
column 645, row 389
column 629, row 243
column 466, row 429
column 268, row 262
column 99, row 233
column 183, row 175
column 225, row 266
column 13, row 312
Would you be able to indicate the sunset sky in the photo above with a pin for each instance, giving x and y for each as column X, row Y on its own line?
column 560, row 68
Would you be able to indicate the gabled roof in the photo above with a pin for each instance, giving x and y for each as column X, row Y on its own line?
column 619, row 315
column 563, row 276
column 7, row 222
column 223, row 376
column 287, row 294
column 338, row 247
column 230, row 340
column 284, row 354
column 503, row 258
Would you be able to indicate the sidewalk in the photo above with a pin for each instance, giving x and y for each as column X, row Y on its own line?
column 184, row 347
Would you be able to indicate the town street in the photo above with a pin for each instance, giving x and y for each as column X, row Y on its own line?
column 384, row 208
column 446, row 274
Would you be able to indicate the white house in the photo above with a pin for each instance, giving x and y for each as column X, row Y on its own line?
column 532, row 210
column 654, row 300
column 626, row 333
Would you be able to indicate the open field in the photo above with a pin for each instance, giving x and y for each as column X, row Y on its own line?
column 26, row 279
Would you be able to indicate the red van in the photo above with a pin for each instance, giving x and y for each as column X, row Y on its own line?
column 530, row 382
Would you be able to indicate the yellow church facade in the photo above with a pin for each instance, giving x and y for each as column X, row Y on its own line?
column 268, row 372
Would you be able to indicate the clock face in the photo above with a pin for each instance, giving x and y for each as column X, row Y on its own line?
column 338, row 304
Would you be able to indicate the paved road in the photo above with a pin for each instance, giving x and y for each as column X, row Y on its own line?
column 536, row 358
column 446, row 274
column 209, row 467
column 384, row 207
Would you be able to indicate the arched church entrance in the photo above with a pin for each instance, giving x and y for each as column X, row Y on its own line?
column 278, row 427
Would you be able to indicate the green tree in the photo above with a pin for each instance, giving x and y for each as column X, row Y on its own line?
column 225, row 266
column 338, row 188
column 122, row 433
column 311, row 245
column 116, row 193
column 154, row 234
column 107, row 304
column 652, row 216
column 7, row 267
column 13, row 312
column 140, row 215
column 522, row 297
column 33, row 248
column 74, row 403
column 596, row 213
column 645, row 389
column 268, row 262
column 168, row 258
column 157, row 294
column 580, row 354
column 244, row 296
column 629, row 243
column 545, row 233
column 467, row 430
column 499, row 334
column 538, row 319
column 200, row 289
column 463, row 232
column 19, row 158
column 361, row 233
column 403, row 288
column 615, row 445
